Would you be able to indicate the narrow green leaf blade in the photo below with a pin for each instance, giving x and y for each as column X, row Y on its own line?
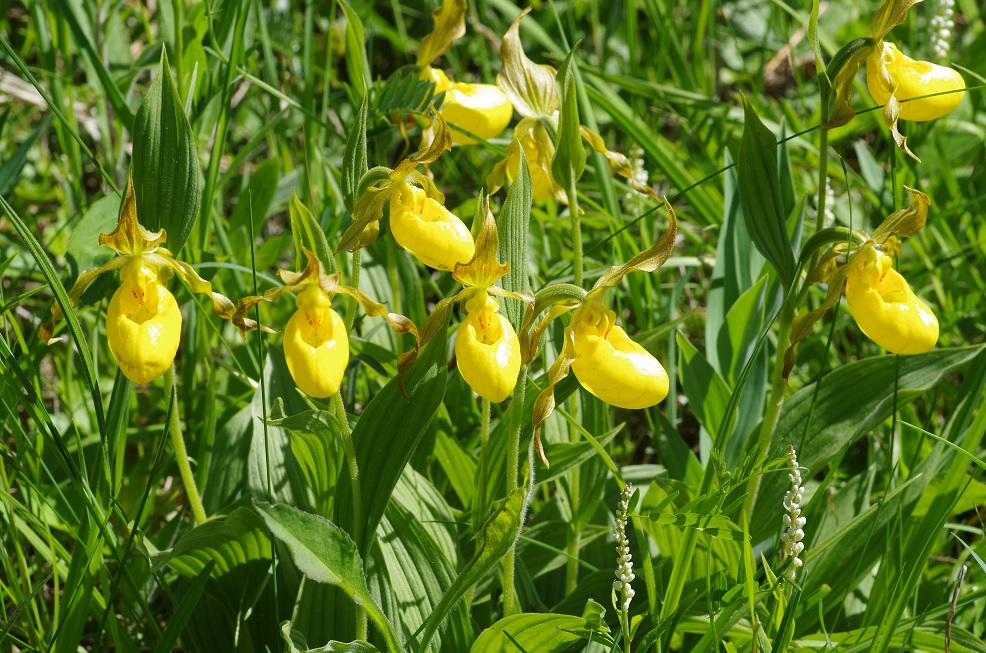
column 356, row 62
column 851, row 400
column 166, row 173
column 760, row 195
column 512, row 227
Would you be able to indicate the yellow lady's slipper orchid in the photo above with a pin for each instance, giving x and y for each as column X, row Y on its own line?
column 487, row 349
column 316, row 342
column 612, row 366
column 316, row 346
column 143, row 323
column 428, row 230
column 885, row 307
column 891, row 69
column 482, row 109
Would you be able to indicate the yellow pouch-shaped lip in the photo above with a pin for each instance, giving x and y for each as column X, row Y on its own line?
column 482, row 109
column 428, row 230
column 143, row 324
column 316, row 346
column 487, row 349
column 886, row 309
column 914, row 79
column 615, row 368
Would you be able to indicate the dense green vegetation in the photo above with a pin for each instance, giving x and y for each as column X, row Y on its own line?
column 696, row 168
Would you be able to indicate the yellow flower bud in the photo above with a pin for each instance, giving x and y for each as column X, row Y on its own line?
column 612, row 366
column 482, row 109
column 316, row 346
column 886, row 309
column 428, row 230
column 487, row 349
column 913, row 79
column 143, row 323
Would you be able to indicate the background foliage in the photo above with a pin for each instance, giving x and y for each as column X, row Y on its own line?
column 255, row 104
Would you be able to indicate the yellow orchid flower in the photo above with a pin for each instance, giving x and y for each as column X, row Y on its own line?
column 605, row 360
column 422, row 226
column 891, row 77
column 143, row 323
column 886, row 309
column 418, row 217
column 487, row 349
column 892, row 72
column 612, row 366
column 481, row 109
column 316, row 344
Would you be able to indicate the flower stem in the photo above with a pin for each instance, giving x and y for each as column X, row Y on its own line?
column 484, row 463
column 181, row 453
column 353, row 283
column 346, row 435
column 513, row 459
column 575, row 537
column 347, row 443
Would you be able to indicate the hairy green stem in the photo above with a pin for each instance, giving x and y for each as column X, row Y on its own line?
column 508, row 569
column 575, row 537
column 484, row 463
column 573, row 209
column 181, row 453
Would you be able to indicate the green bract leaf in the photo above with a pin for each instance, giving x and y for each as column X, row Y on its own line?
column 569, row 160
column 531, row 87
column 450, row 24
column 354, row 164
column 512, row 227
column 760, row 195
column 166, row 174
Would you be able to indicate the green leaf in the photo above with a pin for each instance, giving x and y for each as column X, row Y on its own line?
column 326, row 554
column 417, row 556
column 356, row 61
column 237, row 551
column 544, row 633
column 569, row 162
column 297, row 644
column 512, row 227
column 497, row 536
column 708, row 395
column 166, row 174
column 354, row 163
column 257, row 198
column 308, row 234
column 313, row 437
column 386, row 435
column 180, row 614
column 760, row 195
column 851, row 400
